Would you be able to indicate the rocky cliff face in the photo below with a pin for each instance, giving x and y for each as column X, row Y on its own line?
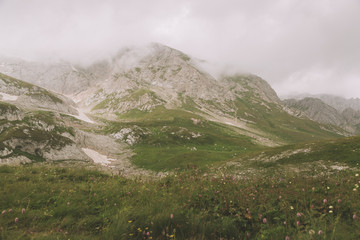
column 337, row 102
column 319, row 111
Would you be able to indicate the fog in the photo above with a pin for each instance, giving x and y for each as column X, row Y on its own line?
column 296, row 45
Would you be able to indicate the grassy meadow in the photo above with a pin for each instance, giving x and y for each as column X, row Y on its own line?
column 47, row 202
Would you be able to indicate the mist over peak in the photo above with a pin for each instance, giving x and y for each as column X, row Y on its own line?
column 297, row 46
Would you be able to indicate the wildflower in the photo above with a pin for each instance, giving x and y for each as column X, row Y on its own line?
column 298, row 223
column 23, row 211
column 311, row 232
column 147, row 234
column 284, row 222
column 68, row 203
column 130, row 221
column 298, row 214
column 339, row 200
column 327, row 188
column 94, row 194
column 16, row 220
column 356, row 175
column 171, row 216
column 3, row 212
column 354, row 189
column 10, row 210
column 264, row 220
column 313, row 188
column 287, row 238
column 291, row 207
column 354, row 217
column 324, row 201
column 331, row 211
column 331, row 207
column 320, row 232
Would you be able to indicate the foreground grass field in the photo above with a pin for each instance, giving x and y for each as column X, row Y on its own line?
column 47, row 202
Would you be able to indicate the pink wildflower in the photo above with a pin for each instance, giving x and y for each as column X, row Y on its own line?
column 320, row 232
column 287, row 238
column 16, row 220
column 171, row 216
column 147, row 234
column 339, row 200
column 298, row 214
column 264, row 220
column 10, row 210
column 284, row 222
column 354, row 217
column 23, row 211
column 94, row 194
column 298, row 223
column 3, row 212
column 324, row 201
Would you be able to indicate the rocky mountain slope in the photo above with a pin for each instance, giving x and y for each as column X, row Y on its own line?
column 317, row 110
column 337, row 102
column 38, row 125
column 159, row 101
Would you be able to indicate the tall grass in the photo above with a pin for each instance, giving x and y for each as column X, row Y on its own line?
column 64, row 203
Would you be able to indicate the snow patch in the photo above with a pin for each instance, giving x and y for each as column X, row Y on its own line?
column 82, row 116
column 229, row 123
column 97, row 157
column 74, row 69
column 8, row 97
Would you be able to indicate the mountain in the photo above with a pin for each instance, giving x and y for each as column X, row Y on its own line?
column 161, row 103
column 317, row 110
column 337, row 102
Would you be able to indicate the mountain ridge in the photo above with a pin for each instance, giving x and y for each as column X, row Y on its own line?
column 158, row 99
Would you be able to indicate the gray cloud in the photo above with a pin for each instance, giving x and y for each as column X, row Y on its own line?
column 298, row 45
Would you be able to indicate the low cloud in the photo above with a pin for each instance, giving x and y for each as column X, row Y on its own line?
column 299, row 45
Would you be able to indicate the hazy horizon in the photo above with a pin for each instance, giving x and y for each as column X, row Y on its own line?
column 297, row 46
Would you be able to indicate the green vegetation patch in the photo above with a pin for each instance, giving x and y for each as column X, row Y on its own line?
column 65, row 203
column 173, row 138
column 344, row 152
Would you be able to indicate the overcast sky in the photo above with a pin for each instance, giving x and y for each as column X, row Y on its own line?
column 296, row 45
